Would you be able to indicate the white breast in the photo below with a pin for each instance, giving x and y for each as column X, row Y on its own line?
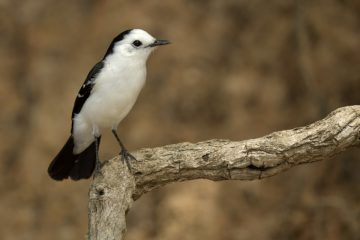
column 115, row 92
column 113, row 95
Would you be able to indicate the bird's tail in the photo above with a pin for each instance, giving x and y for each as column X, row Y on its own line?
column 76, row 166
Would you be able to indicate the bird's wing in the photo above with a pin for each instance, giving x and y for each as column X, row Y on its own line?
column 86, row 88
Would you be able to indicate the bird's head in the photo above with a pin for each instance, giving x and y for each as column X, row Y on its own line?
column 135, row 44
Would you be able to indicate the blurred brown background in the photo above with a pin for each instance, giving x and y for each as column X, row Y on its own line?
column 236, row 69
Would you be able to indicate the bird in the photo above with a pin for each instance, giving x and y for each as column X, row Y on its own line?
column 108, row 94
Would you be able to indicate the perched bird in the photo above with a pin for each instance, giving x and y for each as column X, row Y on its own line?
column 106, row 97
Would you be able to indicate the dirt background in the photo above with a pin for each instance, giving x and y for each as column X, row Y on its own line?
column 236, row 70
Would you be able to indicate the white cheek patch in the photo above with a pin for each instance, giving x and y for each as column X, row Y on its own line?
column 127, row 50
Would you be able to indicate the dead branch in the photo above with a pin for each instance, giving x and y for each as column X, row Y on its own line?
column 114, row 189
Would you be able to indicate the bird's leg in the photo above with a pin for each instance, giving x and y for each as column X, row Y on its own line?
column 125, row 155
column 98, row 163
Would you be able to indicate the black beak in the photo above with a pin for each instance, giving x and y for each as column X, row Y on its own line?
column 159, row 42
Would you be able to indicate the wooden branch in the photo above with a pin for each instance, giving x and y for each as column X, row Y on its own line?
column 114, row 189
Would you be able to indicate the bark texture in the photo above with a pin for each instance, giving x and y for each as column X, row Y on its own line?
column 114, row 189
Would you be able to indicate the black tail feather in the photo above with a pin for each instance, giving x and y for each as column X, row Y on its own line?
column 76, row 166
column 85, row 163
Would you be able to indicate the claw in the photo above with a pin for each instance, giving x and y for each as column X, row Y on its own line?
column 126, row 156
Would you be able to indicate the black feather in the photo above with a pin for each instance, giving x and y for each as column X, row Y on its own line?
column 76, row 166
column 85, row 90
column 118, row 38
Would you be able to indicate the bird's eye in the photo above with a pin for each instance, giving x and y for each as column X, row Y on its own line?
column 137, row 43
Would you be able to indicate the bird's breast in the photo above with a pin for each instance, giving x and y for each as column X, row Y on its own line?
column 113, row 95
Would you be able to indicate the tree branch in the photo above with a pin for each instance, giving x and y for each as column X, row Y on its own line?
column 114, row 189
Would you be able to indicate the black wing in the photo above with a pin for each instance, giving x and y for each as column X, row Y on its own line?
column 85, row 89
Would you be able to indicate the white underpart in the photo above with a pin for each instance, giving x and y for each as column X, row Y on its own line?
column 116, row 89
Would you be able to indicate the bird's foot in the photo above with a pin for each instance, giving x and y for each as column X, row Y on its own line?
column 127, row 157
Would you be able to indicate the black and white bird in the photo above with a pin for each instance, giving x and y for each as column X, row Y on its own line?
column 106, row 97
